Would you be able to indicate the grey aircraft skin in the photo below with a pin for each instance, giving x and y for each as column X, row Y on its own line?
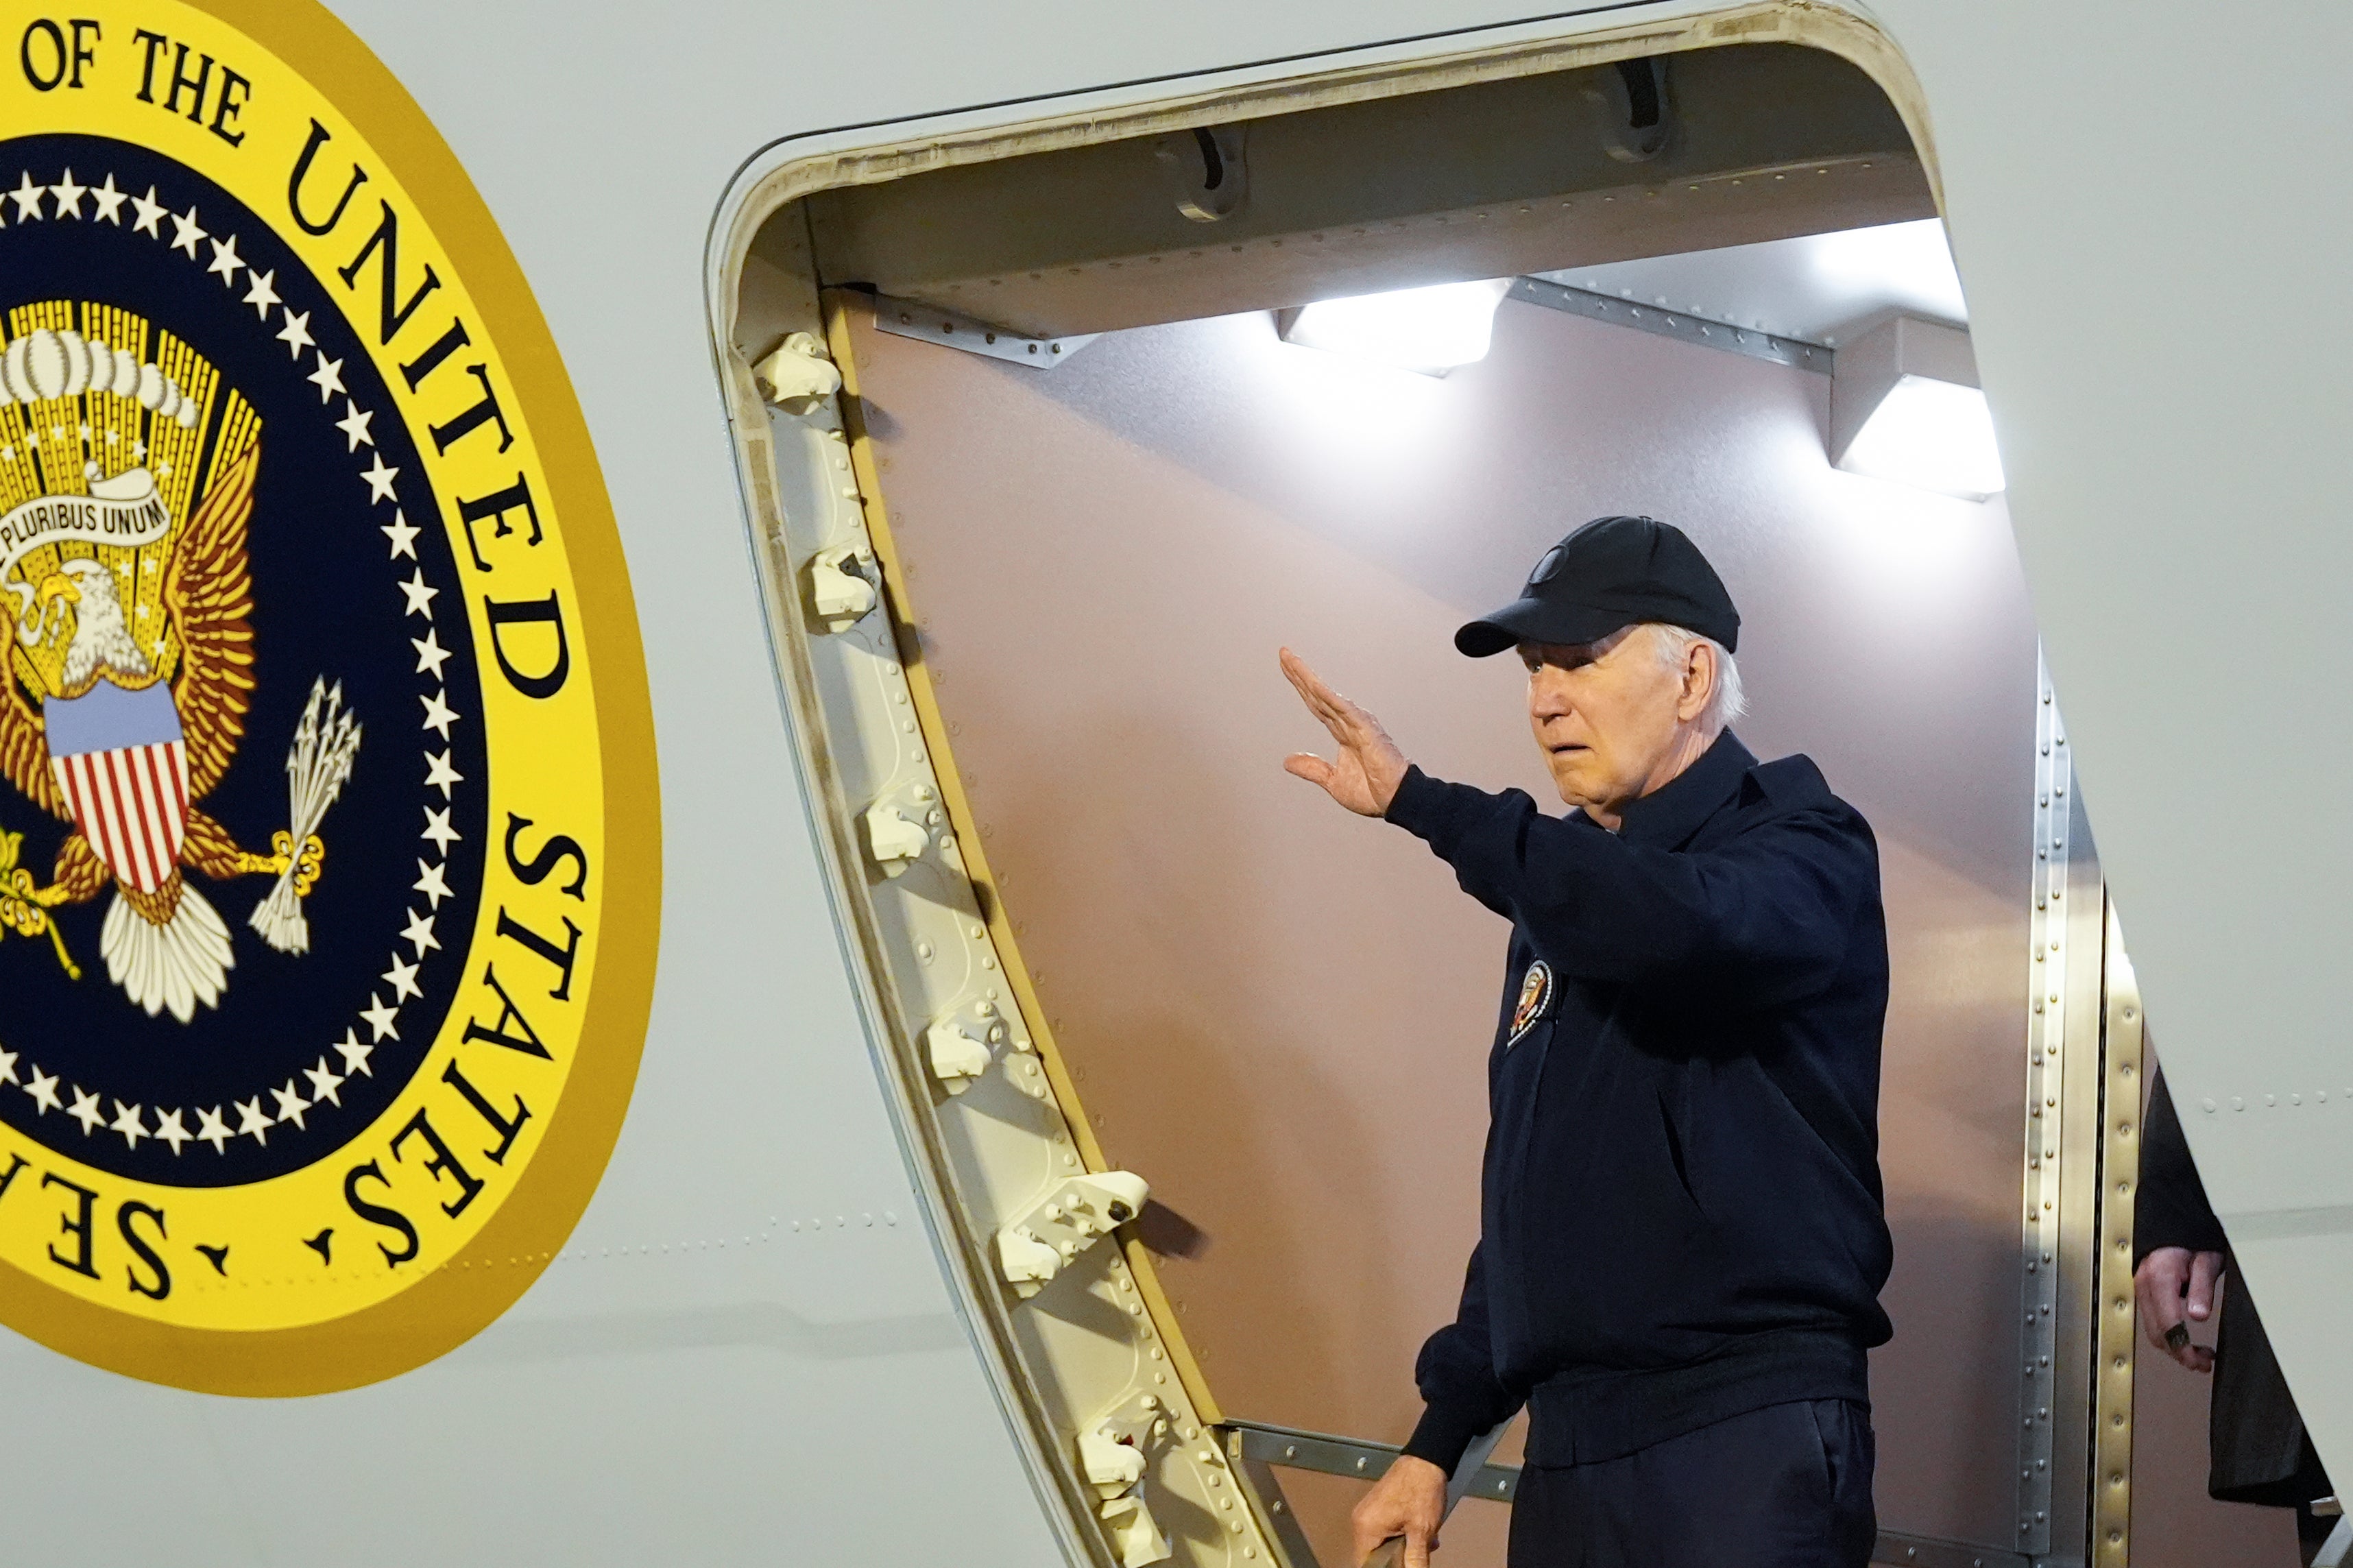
column 758, row 1344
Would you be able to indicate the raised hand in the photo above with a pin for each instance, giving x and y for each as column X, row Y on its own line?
column 1365, row 774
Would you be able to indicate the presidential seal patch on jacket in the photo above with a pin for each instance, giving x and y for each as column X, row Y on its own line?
column 1535, row 996
column 328, row 861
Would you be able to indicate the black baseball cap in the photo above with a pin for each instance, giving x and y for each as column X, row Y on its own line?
column 1614, row 572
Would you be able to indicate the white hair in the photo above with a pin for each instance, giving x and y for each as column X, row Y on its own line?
column 1727, row 701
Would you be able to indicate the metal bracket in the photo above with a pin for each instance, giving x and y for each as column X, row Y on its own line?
column 1928, row 1551
column 1356, row 1457
column 2039, row 1247
column 1263, row 1492
column 1681, row 325
column 1080, row 1211
column 931, row 324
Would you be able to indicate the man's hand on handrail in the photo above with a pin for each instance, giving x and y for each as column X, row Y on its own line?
column 1408, row 1502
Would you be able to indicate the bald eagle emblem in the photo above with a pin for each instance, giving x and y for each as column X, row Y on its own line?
column 1535, row 996
column 123, row 561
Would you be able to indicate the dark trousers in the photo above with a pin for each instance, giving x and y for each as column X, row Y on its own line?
column 1785, row 1487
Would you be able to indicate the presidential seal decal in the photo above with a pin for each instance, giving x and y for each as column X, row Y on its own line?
column 328, row 857
column 1535, row 996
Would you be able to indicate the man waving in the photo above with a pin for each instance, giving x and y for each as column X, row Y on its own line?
column 1682, row 1236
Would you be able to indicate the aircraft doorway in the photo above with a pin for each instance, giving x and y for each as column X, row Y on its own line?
column 1029, row 617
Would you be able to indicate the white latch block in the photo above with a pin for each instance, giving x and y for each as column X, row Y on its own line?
column 1028, row 1262
column 1115, row 1452
column 895, row 839
column 956, row 1058
column 798, row 377
column 1133, row 1533
column 1080, row 1211
column 1109, row 1463
column 1114, row 1447
column 839, row 594
column 962, row 1047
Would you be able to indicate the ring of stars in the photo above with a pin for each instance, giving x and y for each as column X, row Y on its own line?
column 299, row 1096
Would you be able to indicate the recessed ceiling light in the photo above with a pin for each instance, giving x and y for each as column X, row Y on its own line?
column 1905, row 406
column 1429, row 330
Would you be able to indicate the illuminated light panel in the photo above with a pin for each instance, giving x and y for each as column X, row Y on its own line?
column 1429, row 330
column 1905, row 406
column 1935, row 435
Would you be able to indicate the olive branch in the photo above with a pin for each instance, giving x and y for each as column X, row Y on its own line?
column 23, row 907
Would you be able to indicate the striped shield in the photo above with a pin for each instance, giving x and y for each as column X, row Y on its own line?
column 122, row 765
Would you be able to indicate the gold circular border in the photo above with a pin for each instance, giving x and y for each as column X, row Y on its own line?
column 448, row 1307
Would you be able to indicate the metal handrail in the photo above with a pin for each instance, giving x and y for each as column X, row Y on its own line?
column 1358, row 1458
column 1258, row 1448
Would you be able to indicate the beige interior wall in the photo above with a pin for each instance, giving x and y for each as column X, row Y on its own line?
column 1278, row 1013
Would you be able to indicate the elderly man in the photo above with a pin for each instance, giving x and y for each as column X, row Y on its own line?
column 1683, row 1237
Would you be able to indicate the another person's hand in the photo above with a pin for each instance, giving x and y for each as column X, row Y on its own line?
column 1410, row 1500
column 2174, row 1284
column 1366, row 774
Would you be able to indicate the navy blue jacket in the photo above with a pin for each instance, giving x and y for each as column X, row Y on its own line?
column 1681, row 1216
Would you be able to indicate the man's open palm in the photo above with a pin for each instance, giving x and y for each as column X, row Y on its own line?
column 1365, row 774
